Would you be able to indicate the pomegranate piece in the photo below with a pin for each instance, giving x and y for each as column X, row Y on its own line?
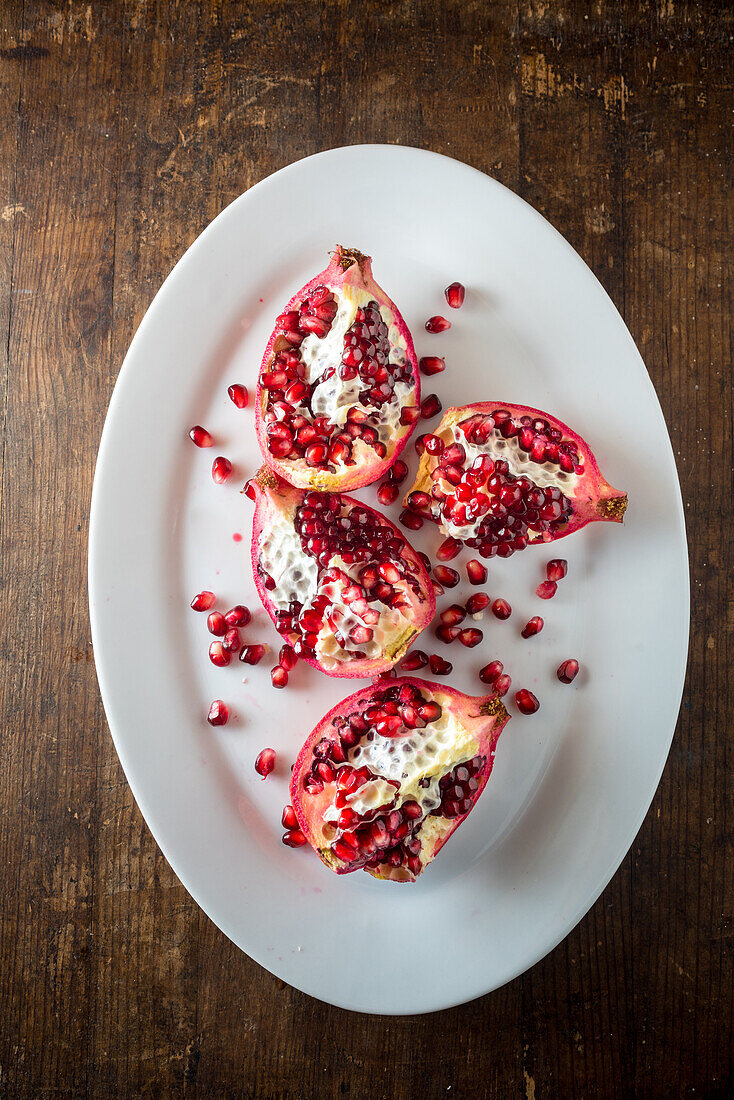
column 200, row 436
column 455, row 294
column 477, row 603
column 414, row 660
column 510, row 476
column 432, row 364
column 546, row 590
column 437, row 324
column 341, row 583
column 216, row 623
column 556, row 569
column 491, row 672
column 502, row 684
column 239, row 615
column 447, row 576
column 448, row 549
column 532, row 626
column 221, row 469
column 476, row 572
column 252, row 654
column 265, row 762
column 470, row 637
column 430, row 406
column 218, row 713
column 526, row 702
column 438, row 666
column 568, row 671
column 218, row 655
column 367, row 794
column 203, row 601
column 238, row 395
column 501, row 609
column 294, row 838
column 279, row 677
column 337, row 380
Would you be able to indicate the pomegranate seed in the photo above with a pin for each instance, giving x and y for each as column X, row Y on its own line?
column 501, row 609
column 238, row 395
column 200, row 436
column 433, row 444
column 216, row 623
column 448, row 549
column 447, row 576
column 556, row 569
column 279, row 677
column 453, row 615
column 502, row 684
column 491, row 672
column 409, row 414
column 568, row 671
column 420, row 444
column 218, row 655
column 446, row 634
column 218, row 713
column 252, row 654
column 287, row 658
column 432, row 364
column 430, row 406
column 289, row 819
column 470, row 637
column 237, row 616
column 477, row 603
column 438, row 666
column 221, row 469
column 455, row 293
column 387, row 493
column 203, row 601
column 265, row 762
column 476, row 572
column 526, row 702
column 419, row 501
column 231, row 641
column 294, row 838
column 249, row 489
column 437, row 324
column 546, row 590
column 399, row 470
column 413, row 660
column 431, row 711
column 532, row 626
column 411, row 520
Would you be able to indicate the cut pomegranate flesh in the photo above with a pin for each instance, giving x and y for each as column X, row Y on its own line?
column 265, row 762
column 568, row 671
column 200, row 436
column 341, row 583
column 336, row 382
column 509, row 476
column 391, row 772
column 455, row 294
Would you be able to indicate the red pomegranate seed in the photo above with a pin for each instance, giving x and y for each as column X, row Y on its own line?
column 568, row 671
column 238, row 395
column 409, row 414
column 279, row 677
column 419, row 501
column 294, row 838
column 526, row 702
column 265, row 762
column 251, row 654
column 430, row 406
column 431, row 711
column 398, row 470
column 287, row 658
column 446, row 634
column 476, row 572
column 546, row 590
column 413, row 660
column 556, row 569
column 433, row 444
column 249, row 489
column 200, row 436
column 438, row 666
column 453, row 615
column 411, row 520
column 216, row 623
column 239, row 615
column 502, row 684
column 532, row 626
column 470, row 637
column 455, row 294
column 477, row 603
column 491, row 672
column 231, row 641
column 387, row 493
column 221, row 469
column 420, row 444
column 203, row 601
column 448, row 549
column 432, row 364
column 447, row 576
column 501, row 609
column 218, row 713
column 437, row 324
column 289, row 819
column 218, row 655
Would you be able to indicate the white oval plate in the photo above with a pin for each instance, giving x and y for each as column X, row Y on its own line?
column 572, row 783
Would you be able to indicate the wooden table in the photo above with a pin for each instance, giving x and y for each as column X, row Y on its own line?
column 124, row 128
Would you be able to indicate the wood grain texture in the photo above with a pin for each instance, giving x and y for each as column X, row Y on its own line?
column 124, row 128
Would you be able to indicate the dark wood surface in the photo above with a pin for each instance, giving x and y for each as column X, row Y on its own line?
column 124, row 128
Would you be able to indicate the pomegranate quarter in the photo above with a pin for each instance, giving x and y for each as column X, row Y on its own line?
column 509, row 476
column 391, row 772
column 339, row 391
column 341, row 583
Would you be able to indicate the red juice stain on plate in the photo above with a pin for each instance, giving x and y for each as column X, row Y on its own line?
column 237, row 536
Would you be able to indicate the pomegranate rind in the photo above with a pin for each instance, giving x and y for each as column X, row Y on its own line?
column 481, row 720
column 592, row 497
column 273, row 499
column 348, row 273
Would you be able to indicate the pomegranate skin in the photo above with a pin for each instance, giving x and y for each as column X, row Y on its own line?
column 476, row 723
column 274, row 500
column 348, row 275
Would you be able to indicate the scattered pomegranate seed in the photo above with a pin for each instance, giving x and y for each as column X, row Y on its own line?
column 218, row 713
column 532, row 626
column 568, row 671
column 526, row 702
column 438, row 666
column 239, row 615
column 455, row 293
column 453, row 615
column 398, row 471
column 221, row 469
column 546, row 590
column 449, row 548
column 249, row 489
column 413, row 660
column 437, row 588
column 556, row 569
column 265, row 762
column 200, row 436
column 502, row 684
column 491, row 672
column 432, row 364
column 294, row 838
column 279, row 677
column 426, row 560
column 445, row 575
column 477, row 603
column 216, row 623
column 431, row 406
column 411, row 520
column 203, row 601
column 289, row 819
column 446, row 634
column 387, row 492
column 470, row 637
column 437, row 324
column 287, row 658
column 409, row 414
column 501, row 609
column 238, row 395
column 420, row 443
column 252, row 654
column 218, row 655
column 231, row 641
column 476, row 572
